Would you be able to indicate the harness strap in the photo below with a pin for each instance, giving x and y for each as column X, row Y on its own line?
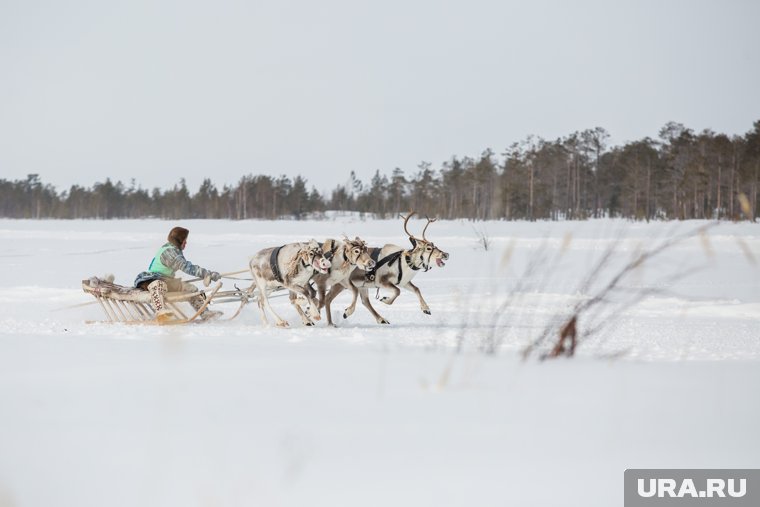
column 388, row 259
column 329, row 254
column 333, row 247
column 398, row 282
column 273, row 264
column 430, row 256
column 314, row 270
column 408, row 259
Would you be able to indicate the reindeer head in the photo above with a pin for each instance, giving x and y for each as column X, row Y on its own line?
column 424, row 252
column 355, row 251
column 311, row 255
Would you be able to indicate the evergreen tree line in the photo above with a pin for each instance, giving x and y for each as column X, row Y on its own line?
column 680, row 175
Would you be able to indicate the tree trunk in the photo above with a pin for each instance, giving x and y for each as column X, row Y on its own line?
column 568, row 201
column 754, row 191
column 731, row 186
column 577, row 191
column 649, row 181
column 635, row 210
column 675, row 198
column 720, row 169
column 554, row 195
column 530, row 206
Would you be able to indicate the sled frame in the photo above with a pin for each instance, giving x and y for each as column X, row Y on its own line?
column 126, row 305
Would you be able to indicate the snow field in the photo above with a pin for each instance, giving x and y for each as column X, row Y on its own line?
column 415, row 413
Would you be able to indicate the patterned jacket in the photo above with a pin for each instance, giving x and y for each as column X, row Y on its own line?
column 168, row 260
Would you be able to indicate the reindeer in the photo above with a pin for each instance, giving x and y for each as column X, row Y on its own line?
column 345, row 256
column 394, row 268
column 289, row 266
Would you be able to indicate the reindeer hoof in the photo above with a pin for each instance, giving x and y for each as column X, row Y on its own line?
column 384, row 300
column 283, row 324
column 383, row 321
column 309, row 324
column 345, row 315
column 427, row 312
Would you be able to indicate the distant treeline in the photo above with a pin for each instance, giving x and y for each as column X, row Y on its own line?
column 680, row 175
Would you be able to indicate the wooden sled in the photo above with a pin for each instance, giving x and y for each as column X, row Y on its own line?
column 127, row 305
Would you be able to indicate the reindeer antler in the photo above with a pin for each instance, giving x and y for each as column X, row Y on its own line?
column 429, row 221
column 406, row 220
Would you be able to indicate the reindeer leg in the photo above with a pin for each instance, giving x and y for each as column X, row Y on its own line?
column 423, row 305
column 365, row 301
column 313, row 310
column 388, row 300
column 337, row 289
column 304, row 318
column 326, row 300
column 355, row 295
column 331, row 294
column 321, row 287
column 260, row 302
column 264, row 304
column 262, row 299
column 313, row 295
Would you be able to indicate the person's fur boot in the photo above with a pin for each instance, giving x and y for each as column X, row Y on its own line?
column 157, row 290
column 198, row 302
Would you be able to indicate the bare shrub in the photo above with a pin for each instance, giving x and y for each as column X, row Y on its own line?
column 600, row 309
column 484, row 240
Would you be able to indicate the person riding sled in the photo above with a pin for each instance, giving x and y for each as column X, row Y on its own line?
column 159, row 278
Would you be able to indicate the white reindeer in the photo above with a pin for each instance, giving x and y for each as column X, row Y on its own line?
column 394, row 269
column 345, row 255
column 289, row 266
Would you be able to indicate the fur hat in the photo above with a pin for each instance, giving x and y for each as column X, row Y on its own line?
column 177, row 236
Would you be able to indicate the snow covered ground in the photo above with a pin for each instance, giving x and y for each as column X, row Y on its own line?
column 431, row 410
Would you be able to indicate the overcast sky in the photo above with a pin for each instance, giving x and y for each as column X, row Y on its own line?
column 157, row 90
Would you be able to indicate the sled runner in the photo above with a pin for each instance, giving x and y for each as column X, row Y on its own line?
column 128, row 305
